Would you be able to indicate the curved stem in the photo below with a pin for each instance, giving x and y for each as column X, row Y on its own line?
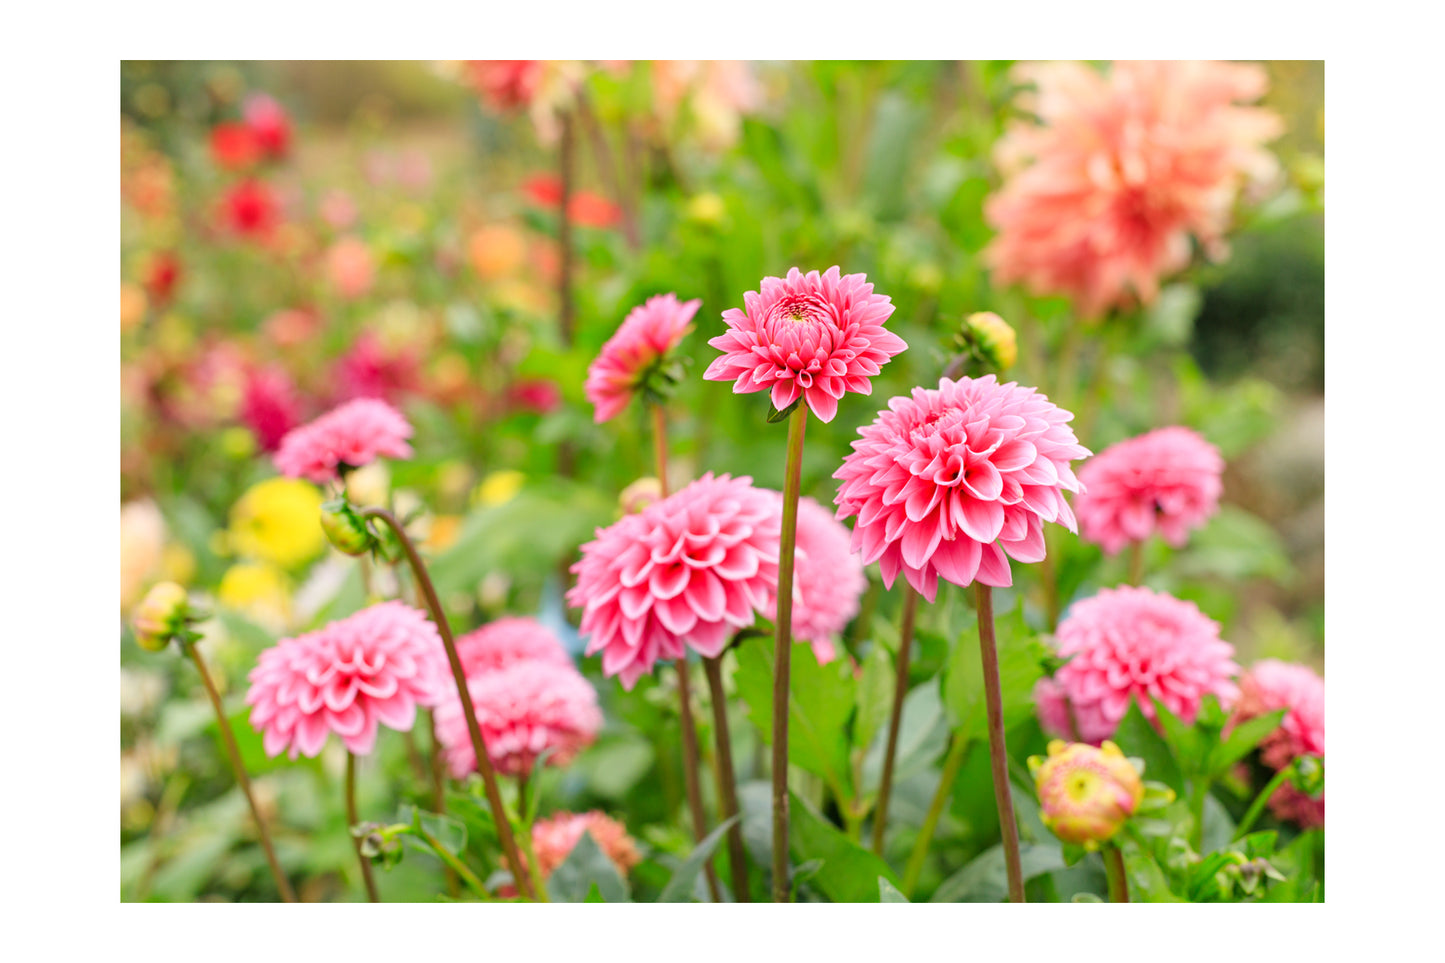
column 689, row 772
column 997, row 749
column 469, row 711
column 727, row 779
column 783, row 649
column 455, row 867
column 957, row 752
column 900, row 693
column 1114, row 871
column 351, row 822
column 283, row 885
column 1257, row 807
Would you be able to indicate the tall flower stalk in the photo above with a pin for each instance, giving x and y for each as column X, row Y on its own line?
column 900, row 692
column 352, row 821
column 727, row 779
column 997, row 749
column 783, row 649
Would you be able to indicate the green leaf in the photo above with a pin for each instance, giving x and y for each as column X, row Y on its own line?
column 1020, row 658
column 849, row 873
column 985, row 879
column 1136, row 736
column 450, row 833
column 821, row 700
column 1235, row 545
column 775, row 416
column 679, row 889
column 875, row 696
column 888, row 893
column 922, row 737
column 1242, row 740
column 585, row 867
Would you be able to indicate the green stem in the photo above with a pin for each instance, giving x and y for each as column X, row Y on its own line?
column 689, row 771
column 459, row 676
column 1199, row 792
column 283, row 885
column 1114, row 871
column 351, row 822
column 727, row 779
column 456, row 866
column 997, row 749
column 957, row 752
column 524, row 806
column 783, row 649
column 1260, row 801
column 900, row 693
column 1136, row 562
column 438, row 790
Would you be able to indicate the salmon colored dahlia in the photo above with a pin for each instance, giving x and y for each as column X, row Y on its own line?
column 1166, row 480
column 555, row 837
column 504, row 643
column 1270, row 685
column 806, row 336
column 636, row 353
column 954, row 481
column 522, row 710
column 828, row 579
column 1103, row 193
column 689, row 570
column 1133, row 642
column 349, row 436
column 349, row 677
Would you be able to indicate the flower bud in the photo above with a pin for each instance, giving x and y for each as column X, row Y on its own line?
column 707, row 210
column 160, row 616
column 995, row 338
column 345, row 528
column 1086, row 793
column 639, row 495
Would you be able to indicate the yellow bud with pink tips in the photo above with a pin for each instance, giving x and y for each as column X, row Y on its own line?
column 1086, row 793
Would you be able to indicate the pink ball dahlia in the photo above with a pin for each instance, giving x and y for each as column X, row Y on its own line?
column 688, row 570
column 1104, row 191
column 350, row 435
column 504, row 643
column 522, row 710
column 828, row 578
column 1135, row 642
column 1167, row 479
column 955, row 480
column 1270, row 685
column 807, row 335
column 636, row 352
column 554, row 838
column 348, row 677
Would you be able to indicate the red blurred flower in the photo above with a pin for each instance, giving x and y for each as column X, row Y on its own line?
column 539, row 395
column 505, row 84
column 269, row 126
column 544, row 190
column 251, row 207
column 162, row 273
column 371, row 370
column 584, row 208
column 234, row 146
column 270, row 406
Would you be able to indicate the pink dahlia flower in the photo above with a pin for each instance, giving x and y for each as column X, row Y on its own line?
column 351, row 435
column 828, row 578
column 1134, row 642
column 689, row 570
column 1167, row 479
column 270, row 406
column 506, row 84
column 1270, row 685
column 554, row 838
column 504, row 643
column 371, row 668
column 522, row 710
column 632, row 355
column 807, row 335
column 1103, row 193
column 954, row 481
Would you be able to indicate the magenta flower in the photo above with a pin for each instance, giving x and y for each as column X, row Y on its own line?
column 523, row 710
column 807, row 335
column 1135, row 642
column 637, row 352
column 348, row 436
column 504, row 643
column 369, row 669
column 1167, row 479
column 686, row 571
column 953, row 481
column 1270, row 685
column 828, row 579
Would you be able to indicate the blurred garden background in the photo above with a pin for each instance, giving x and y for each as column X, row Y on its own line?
column 298, row 234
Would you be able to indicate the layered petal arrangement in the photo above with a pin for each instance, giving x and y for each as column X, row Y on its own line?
column 351, row 676
column 1270, row 685
column 1167, row 480
column 350, row 435
column 951, row 482
column 1103, row 193
column 506, row 642
column 1086, row 793
column 637, row 352
column 806, row 336
column 554, row 838
column 1133, row 642
column 686, row 571
column 523, row 710
column 828, row 579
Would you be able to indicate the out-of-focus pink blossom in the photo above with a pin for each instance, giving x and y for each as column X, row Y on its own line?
column 1271, row 685
column 350, row 268
column 371, row 369
column 828, row 579
column 554, row 838
column 251, row 209
column 271, row 406
column 351, row 435
column 538, row 395
column 639, row 346
column 268, row 124
column 1167, row 479
column 506, row 642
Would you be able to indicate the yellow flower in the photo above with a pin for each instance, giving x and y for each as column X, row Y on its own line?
column 278, row 521
column 258, row 590
column 444, row 532
column 1086, row 793
column 498, row 487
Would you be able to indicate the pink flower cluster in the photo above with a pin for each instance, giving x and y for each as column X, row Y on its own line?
column 1102, row 194
column 686, row 571
column 1135, row 643
column 506, row 642
column 806, row 336
column 954, row 481
column 351, row 435
column 1168, row 479
column 647, row 335
column 1268, row 686
column 828, row 578
column 554, row 838
column 349, row 677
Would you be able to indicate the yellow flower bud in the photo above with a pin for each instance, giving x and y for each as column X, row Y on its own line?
column 639, row 495
column 1086, row 793
column 995, row 336
column 159, row 616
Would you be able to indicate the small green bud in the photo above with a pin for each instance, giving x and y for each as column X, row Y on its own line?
column 346, row 529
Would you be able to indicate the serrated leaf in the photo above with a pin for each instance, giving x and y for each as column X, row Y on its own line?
column 679, row 889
